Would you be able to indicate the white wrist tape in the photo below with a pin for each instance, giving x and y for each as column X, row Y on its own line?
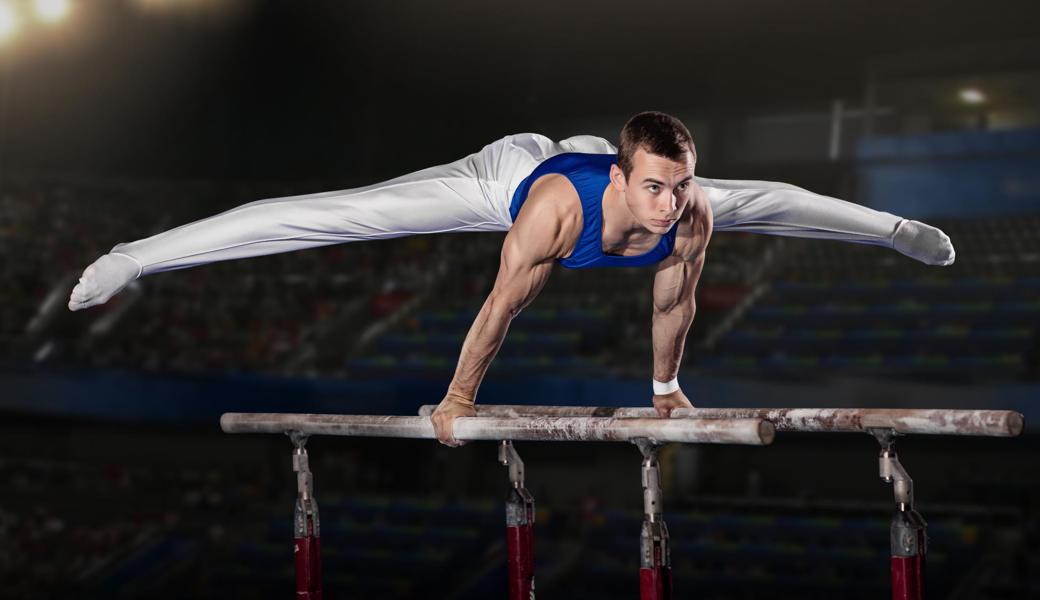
column 666, row 388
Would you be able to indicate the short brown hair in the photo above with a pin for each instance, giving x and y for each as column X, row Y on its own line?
column 656, row 133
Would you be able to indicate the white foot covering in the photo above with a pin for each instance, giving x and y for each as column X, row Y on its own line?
column 780, row 209
column 103, row 279
column 924, row 243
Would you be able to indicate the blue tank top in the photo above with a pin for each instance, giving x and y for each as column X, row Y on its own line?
column 590, row 175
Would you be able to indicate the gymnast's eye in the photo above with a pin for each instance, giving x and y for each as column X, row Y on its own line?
column 684, row 185
column 653, row 189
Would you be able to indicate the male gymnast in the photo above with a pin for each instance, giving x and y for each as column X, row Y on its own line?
column 580, row 202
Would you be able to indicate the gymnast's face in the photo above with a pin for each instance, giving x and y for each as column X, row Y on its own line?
column 657, row 190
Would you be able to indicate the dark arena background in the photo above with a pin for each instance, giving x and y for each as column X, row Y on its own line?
column 121, row 119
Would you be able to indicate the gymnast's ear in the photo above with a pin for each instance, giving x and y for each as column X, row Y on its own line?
column 618, row 179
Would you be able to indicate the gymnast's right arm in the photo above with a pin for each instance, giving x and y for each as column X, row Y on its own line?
column 536, row 238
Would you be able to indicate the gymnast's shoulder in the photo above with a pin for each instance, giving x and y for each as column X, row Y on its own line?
column 551, row 213
column 553, row 198
column 694, row 226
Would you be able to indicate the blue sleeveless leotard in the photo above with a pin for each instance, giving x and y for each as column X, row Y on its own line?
column 590, row 175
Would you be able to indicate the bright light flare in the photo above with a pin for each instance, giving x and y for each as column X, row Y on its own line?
column 8, row 21
column 972, row 96
column 51, row 11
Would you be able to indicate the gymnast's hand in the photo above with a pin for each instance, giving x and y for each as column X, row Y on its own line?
column 452, row 406
column 664, row 403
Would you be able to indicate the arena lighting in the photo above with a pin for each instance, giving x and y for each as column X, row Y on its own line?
column 972, row 96
column 51, row 11
column 8, row 21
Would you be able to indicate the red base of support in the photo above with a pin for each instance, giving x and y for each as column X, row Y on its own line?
column 520, row 544
column 308, row 568
column 908, row 577
column 655, row 583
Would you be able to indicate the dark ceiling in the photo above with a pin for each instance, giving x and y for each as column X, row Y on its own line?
column 320, row 89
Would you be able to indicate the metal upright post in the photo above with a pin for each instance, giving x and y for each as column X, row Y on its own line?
column 908, row 534
column 306, row 527
column 519, row 526
column 655, row 568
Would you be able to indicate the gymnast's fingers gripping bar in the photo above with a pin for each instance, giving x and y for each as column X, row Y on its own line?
column 751, row 431
column 995, row 423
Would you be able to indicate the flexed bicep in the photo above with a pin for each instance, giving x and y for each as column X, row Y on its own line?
column 675, row 282
column 546, row 229
column 676, row 277
column 525, row 265
column 518, row 282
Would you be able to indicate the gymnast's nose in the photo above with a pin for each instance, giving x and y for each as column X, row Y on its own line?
column 668, row 205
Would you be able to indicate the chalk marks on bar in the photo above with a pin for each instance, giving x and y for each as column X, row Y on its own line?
column 994, row 423
column 751, row 431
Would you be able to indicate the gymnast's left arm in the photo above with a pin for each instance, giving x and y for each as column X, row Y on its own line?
column 674, row 309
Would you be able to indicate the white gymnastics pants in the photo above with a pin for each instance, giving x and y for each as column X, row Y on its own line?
column 473, row 194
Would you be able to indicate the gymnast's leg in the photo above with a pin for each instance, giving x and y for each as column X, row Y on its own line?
column 782, row 209
column 454, row 197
